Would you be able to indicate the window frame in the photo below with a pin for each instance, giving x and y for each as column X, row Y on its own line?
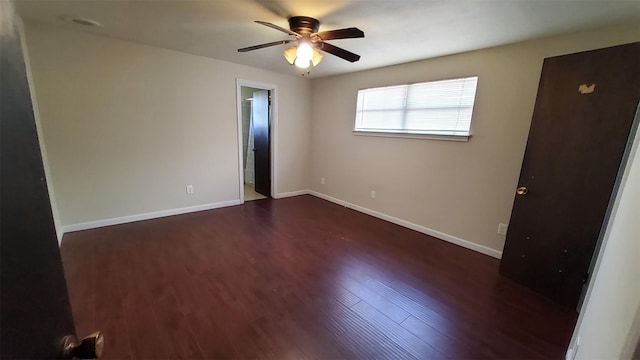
column 415, row 134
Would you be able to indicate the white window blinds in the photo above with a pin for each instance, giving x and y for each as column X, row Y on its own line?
column 434, row 108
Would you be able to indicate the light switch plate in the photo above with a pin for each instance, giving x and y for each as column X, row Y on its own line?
column 502, row 229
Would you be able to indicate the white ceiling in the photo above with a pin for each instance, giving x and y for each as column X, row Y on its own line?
column 396, row 31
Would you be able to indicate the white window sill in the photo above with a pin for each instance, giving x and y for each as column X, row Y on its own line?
column 412, row 135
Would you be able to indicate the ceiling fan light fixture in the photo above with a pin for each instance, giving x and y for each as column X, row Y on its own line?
column 290, row 54
column 317, row 57
column 304, row 54
column 305, row 51
column 303, row 63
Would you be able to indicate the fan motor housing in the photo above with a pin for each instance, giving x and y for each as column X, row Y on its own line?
column 304, row 25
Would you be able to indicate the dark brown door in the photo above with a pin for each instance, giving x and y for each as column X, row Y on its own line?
column 261, row 142
column 581, row 123
column 35, row 306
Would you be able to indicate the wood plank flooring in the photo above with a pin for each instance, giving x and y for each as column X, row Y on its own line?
column 299, row 278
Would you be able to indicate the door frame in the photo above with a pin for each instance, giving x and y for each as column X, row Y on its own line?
column 273, row 132
column 630, row 149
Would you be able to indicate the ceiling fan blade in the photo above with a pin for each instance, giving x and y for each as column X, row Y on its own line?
column 339, row 52
column 348, row 33
column 273, row 26
column 256, row 47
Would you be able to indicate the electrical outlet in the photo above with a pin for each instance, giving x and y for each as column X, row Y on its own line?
column 373, row 194
column 189, row 189
column 502, row 229
column 322, row 181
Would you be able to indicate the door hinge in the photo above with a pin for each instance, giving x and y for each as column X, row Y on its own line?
column 585, row 278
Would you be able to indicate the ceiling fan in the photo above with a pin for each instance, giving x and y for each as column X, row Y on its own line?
column 308, row 41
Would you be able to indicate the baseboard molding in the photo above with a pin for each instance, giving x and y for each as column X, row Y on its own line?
column 291, row 193
column 419, row 228
column 59, row 234
column 158, row 214
column 146, row 216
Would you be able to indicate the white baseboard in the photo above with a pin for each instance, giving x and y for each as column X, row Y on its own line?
column 146, row 216
column 59, row 234
column 157, row 214
column 419, row 228
column 291, row 193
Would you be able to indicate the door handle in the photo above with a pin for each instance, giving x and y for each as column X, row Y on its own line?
column 522, row 190
column 89, row 348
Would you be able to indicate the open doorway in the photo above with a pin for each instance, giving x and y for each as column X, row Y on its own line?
column 255, row 129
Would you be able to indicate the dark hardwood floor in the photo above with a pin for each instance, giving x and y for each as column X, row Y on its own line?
column 299, row 278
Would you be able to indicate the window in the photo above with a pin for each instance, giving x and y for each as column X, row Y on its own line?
column 435, row 109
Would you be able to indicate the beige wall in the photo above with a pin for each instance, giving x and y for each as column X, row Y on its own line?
column 128, row 126
column 609, row 326
column 460, row 189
